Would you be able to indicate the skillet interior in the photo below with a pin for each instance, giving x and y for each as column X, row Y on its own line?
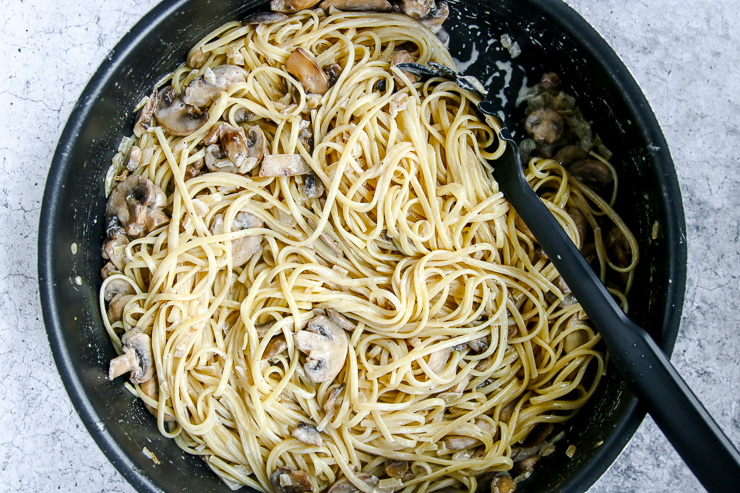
column 552, row 37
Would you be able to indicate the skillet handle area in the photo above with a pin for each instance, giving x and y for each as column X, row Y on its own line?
column 688, row 426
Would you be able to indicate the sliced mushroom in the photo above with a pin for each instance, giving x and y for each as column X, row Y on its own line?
column 570, row 154
column 581, row 223
column 403, row 56
column 333, row 71
column 443, row 36
column 287, row 480
column 620, row 246
column 418, row 9
column 591, row 172
column 549, row 80
column 256, row 143
column 345, row 486
column 197, row 58
column 242, row 249
column 503, row 484
column 459, row 442
column 545, row 125
column 325, row 343
column 117, row 287
column 175, row 116
column 284, row 165
column 274, row 347
column 134, row 159
column 538, row 435
column 331, row 401
column 241, row 115
column 234, row 142
column 480, row 345
column 436, row 16
column 290, row 6
column 264, row 18
column 312, row 186
column 396, row 468
column 115, row 250
column 575, row 339
column 116, row 306
column 438, row 359
column 357, row 5
column 308, row 434
column 203, row 90
column 303, row 66
column 136, row 358
column 144, row 120
column 151, row 389
column 340, row 320
column 107, row 270
column 132, row 201
column 527, row 464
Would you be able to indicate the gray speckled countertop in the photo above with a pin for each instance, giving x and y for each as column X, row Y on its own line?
column 685, row 55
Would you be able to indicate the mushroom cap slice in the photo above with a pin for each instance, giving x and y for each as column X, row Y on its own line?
column 436, row 16
column 459, row 442
column 326, row 344
column 242, row 249
column 136, row 358
column 256, row 143
column 175, row 116
column 312, row 186
column 287, row 480
column 116, row 287
column 203, row 90
column 115, row 250
column 116, row 306
column 144, row 120
column 284, row 165
column 345, row 486
column 545, row 125
column 264, row 18
column 308, row 434
column 403, row 56
column 304, row 67
column 290, row 6
column 132, row 200
column 418, row 9
column 357, row 5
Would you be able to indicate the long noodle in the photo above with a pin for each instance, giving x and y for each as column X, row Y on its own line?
column 412, row 242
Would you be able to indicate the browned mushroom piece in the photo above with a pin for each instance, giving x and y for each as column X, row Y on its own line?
column 333, row 71
column 276, row 346
column 581, row 223
column 576, row 338
column 116, row 306
column 136, row 358
column 549, row 80
column 403, row 56
column 287, row 480
column 241, row 115
column 503, row 484
column 175, row 116
column 357, row 5
column 117, row 287
column 256, row 143
column 480, row 345
column 303, row 66
column 459, row 442
column 538, row 435
column 132, row 200
column 144, row 120
column 308, row 434
column 264, row 18
column 151, row 389
column 396, row 468
column 620, row 247
column 345, row 486
column 197, row 58
column 242, row 249
column 312, row 186
column 545, row 125
column 591, row 172
column 570, row 154
column 340, row 320
column 114, row 250
column 418, row 9
column 326, row 344
column 290, row 6
column 284, row 165
column 527, row 464
column 107, row 269
column 203, row 90
column 436, row 16
column 438, row 359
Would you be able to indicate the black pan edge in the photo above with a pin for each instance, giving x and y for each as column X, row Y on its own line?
column 570, row 21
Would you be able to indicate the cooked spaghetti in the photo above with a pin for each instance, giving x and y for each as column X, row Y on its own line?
column 348, row 298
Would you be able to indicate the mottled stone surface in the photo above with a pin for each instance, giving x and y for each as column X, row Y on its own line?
column 685, row 55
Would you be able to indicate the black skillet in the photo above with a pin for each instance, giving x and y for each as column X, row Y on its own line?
column 553, row 38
